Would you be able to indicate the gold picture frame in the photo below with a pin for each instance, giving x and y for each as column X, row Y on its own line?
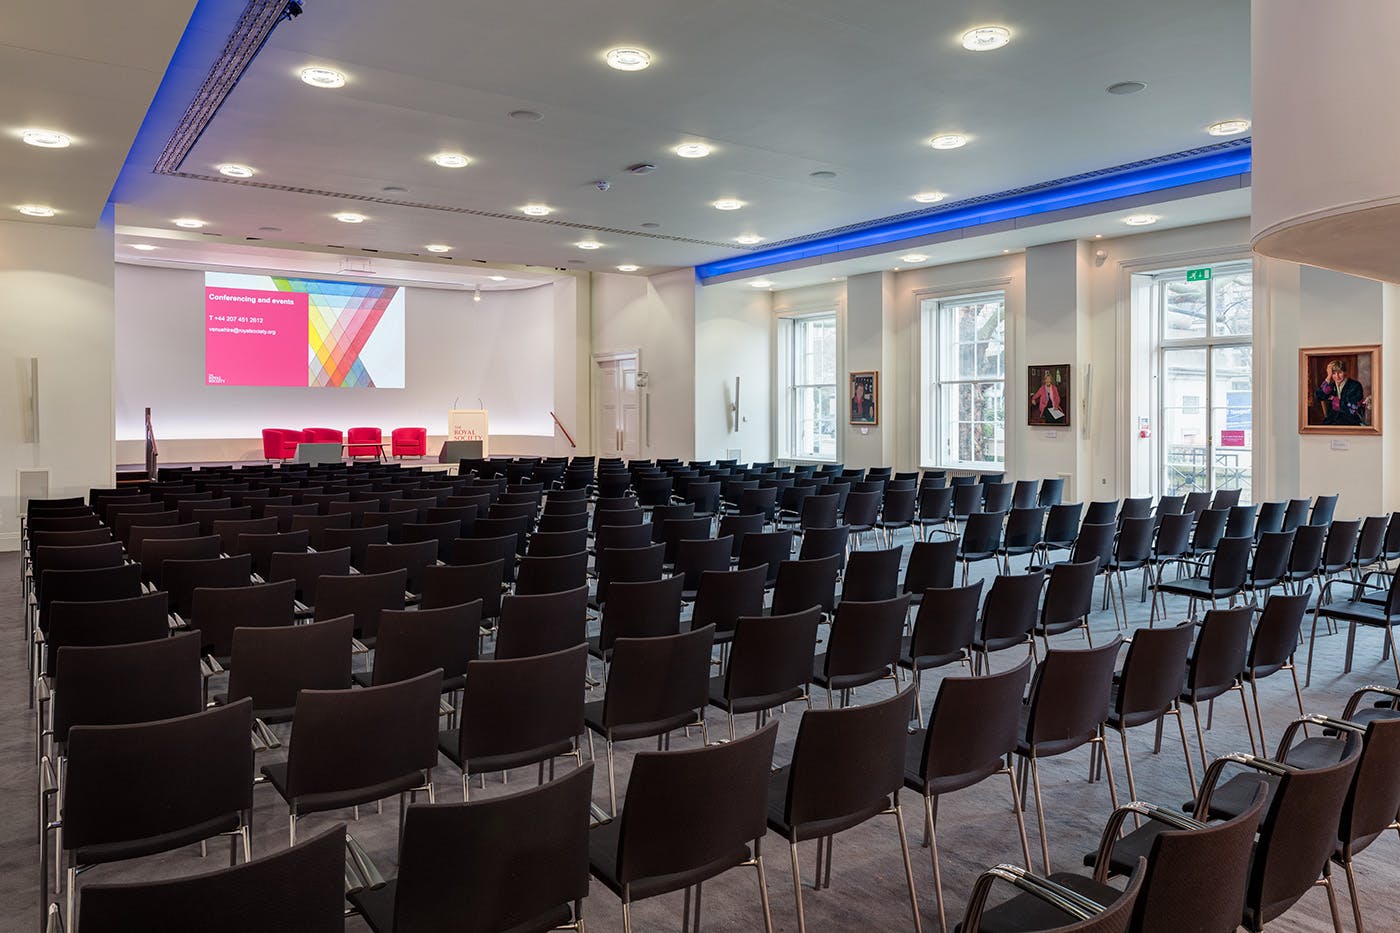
column 863, row 398
column 1339, row 390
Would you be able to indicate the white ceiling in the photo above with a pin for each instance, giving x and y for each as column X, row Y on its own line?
column 780, row 88
column 89, row 73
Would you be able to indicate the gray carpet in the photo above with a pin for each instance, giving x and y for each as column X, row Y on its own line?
column 867, row 892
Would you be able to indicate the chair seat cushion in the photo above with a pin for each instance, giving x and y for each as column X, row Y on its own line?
column 602, row 860
column 1045, row 748
column 938, row 783
column 449, row 740
column 151, row 845
column 740, row 705
column 1360, row 611
column 777, row 819
column 276, row 775
column 1026, row 912
column 593, row 718
column 925, row 661
column 843, row 681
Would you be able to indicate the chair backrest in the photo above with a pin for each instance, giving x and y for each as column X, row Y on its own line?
column 110, row 796
column 1239, row 522
column 722, row 598
column 862, row 508
column 1229, row 568
column 103, row 583
column 532, row 625
column 413, row 642
column 361, row 595
column 296, row 890
column 627, row 565
column 522, row 708
column 825, row 542
column 1012, row 605
column 1025, row 494
column 898, row 507
column 1173, row 535
column 138, row 535
column 1296, row 513
column 264, row 546
column 155, row 552
column 1134, row 539
column 1024, row 529
column 641, row 610
column 740, row 526
column 229, row 530
column 102, row 622
column 181, row 578
column 1210, row 528
column 222, row 610
column 410, row 556
column 1270, row 518
column 658, row 683
column 343, row 740
column 126, row 683
column 865, row 637
column 1196, row 874
column 931, row 564
column 1271, row 552
column 1152, row 673
column 946, row 622
column 847, row 762
column 271, row 665
column 770, row 660
column 1136, row 507
column 803, row 583
column 1324, row 507
column 996, row 497
column 819, row 511
column 1062, row 522
column 771, row 548
column 695, row 807
column 872, row 575
column 972, row 728
column 1298, row 836
column 982, row 533
column 454, row 584
column 1306, row 554
column 967, row 496
column 1070, row 696
column 1222, row 648
column 1101, row 511
column 935, row 503
column 1340, row 544
column 495, row 864
column 696, row 557
column 677, row 530
column 554, row 574
column 1276, row 633
column 1069, row 594
column 1051, row 492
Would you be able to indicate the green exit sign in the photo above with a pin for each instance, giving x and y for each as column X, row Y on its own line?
column 1198, row 275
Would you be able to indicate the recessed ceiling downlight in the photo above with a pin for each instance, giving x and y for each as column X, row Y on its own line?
column 929, row 197
column 143, row 247
column 589, row 244
column 1228, row 127
column 692, row 150
column 536, row 210
column 234, row 170
column 46, row 139
column 452, row 160
column 628, row 267
column 188, row 223
column 1141, row 220
column 36, row 210
column 727, row 204
column 913, row 258
column 497, row 278
column 322, row 77
column 748, row 239
column 628, row 58
column 948, row 141
column 761, row 283
column 437, row 247
column 986, row 38
column 349, row 217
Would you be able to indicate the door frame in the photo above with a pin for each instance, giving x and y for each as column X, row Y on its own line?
column 609, row 357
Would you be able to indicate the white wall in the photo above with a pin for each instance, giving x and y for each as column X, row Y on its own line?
column 501, row 350
column 57, row 285
column 733, row 338
column 654, row 315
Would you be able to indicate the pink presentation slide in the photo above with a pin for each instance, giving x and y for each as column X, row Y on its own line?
column 254, row 337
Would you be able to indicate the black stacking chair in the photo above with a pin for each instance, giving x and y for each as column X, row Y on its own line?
column 945, row 627
column 655, row 686
column 182, row 577
column 862, row 648
column 971, row 735
column 647, row 609
column 826, row 542
column 413, row 642
column 1009, row 616
column 264, row 546
column 411, row 557
column 771, row 548
column 1372, row 604
column 271, row 665
column 935, row 510
column 1101, row 511
column 697, row 557
column 1324, row 507
column 453, row 585
column 1270, row 518
column 1025, row 530
column 770, row 663
column 537, row 576
column 1295, row 514
column 1061, row 529
column 1025, row 494
column 518, row 712
column 723, row 598
column 1145, row 691
column 351, row 747
column 1217, row 667
column 1068, row 707
column 931, row 564
column 1269, row 568
column 532, row 625
column 1069, row 598
column 861, row 512
column 224, row 609
column 872, row 575
column 896, row 512
column 518, row 862
column 555, row 543
column 1276, row 636
column 1224, row 578
column 980, row 539
column 363, row 596
column 1132, row 551
column 847, row 767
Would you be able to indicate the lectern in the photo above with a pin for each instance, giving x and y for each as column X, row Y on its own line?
column 469, row 424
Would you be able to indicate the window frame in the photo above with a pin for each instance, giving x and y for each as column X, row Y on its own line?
column 1208, row 343
column 933, row 313
column 787, row 324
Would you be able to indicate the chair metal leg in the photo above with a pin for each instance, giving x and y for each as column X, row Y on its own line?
column 797, row 888
column 1020, row 816
column 1128, row 766
column 1326, row 882
column 626, row 917
column 1312, row 643
column 612, row 782
column 908, row 865
column 931, row 834
column 292, row 825
column 1249, row 727
column 1040, row 812
column 1355, row 899
column 1185, row 746
column 762, row 887
column 1200, row 735
column 1107, row 767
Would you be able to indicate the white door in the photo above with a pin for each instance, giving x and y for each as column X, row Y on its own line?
column 619, row 407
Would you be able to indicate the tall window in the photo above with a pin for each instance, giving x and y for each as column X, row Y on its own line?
column 965, row 381
column 1205, row 320
column 807, row 370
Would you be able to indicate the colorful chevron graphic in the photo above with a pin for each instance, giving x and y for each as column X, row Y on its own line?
column 342, row 317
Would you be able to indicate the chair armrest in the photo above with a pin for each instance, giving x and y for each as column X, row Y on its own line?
column 1115, row 824
column 174, row 622
column 210, row 666
column 360, row 870
column 1063, row 899
column 597, row 816
column 358, row 647
column 264, row 737
column 1212, row 775
column 1361, row 692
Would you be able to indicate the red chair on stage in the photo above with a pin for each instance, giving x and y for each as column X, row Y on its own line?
column 324, row 435
column 281, row 443
column 409, row 442
column 370, row 441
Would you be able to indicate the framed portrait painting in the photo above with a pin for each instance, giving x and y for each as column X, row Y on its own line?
column 1049, row 395
column 1339, row 390
column 865, row 398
